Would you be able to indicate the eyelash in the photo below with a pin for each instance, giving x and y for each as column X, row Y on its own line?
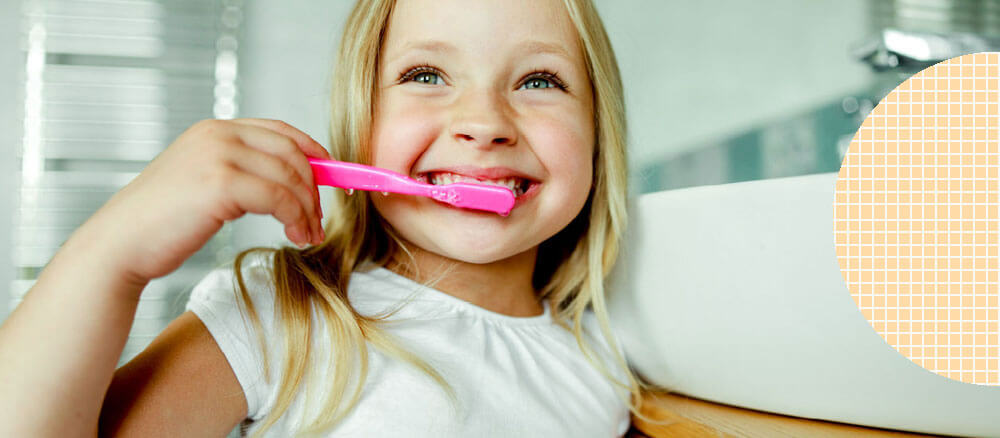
column 548, row 75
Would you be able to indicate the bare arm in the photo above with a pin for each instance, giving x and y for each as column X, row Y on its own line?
column 79, row 314
column 59, row 348
column 181, row 385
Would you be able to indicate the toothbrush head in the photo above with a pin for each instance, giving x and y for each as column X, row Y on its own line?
column 497, row 199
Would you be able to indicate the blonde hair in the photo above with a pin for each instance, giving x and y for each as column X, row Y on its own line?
column 571, row 268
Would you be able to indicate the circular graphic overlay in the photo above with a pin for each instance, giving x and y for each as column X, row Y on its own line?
column 916, row 218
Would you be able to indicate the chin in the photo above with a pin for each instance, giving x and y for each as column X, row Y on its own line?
column 476, row 252
column 469, row 236
column 474, row 259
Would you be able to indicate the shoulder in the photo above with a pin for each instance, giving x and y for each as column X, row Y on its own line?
column 220, row 288
column 593, row 327
column 255, row 270
column 594, row 332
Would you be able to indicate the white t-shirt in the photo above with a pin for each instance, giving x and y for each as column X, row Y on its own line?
column 514, row 376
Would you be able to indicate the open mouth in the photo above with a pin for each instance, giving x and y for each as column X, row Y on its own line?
column 516, row 184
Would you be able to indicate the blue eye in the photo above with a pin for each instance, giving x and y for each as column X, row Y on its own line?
column 423, row 74
column 543, row 79
column 428, row 78
column 538, row 83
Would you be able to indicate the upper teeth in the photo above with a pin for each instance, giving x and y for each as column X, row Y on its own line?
column 512, row 183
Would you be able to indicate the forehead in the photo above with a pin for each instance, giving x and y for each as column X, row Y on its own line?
column 484, row 27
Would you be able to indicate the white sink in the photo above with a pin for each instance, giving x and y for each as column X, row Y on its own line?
column 732, row 293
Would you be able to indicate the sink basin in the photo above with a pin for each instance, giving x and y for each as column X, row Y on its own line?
column 732, row 293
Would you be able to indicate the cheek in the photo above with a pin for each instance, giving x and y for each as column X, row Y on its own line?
column 399, row 135
column 565, row 149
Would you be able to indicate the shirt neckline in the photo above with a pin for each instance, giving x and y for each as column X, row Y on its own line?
column 436, row 294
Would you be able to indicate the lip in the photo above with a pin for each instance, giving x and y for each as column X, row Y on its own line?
column 533, row 189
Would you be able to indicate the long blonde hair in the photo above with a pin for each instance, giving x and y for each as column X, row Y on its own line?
column 571, row 268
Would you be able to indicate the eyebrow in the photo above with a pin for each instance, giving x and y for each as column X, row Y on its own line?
column 530, row 46
column 535, row 46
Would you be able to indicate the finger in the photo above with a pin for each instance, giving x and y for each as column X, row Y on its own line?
column 304, row 141
column 277, row 144
column 273, row 168
column 284, row 147
column 259, row 195
column 308, row 145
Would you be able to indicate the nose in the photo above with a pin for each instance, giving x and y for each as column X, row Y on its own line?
column 482, row 120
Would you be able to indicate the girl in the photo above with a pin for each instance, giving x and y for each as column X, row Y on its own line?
column 408, row 317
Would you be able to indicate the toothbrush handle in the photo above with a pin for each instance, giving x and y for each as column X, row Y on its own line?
column 360, row 177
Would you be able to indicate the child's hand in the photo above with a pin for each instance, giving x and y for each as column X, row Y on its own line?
column 214, row 172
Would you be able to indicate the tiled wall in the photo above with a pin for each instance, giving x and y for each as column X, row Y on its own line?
column 809, row 143
column 11, row 68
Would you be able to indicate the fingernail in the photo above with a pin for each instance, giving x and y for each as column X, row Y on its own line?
column 313, row 235
column 298, row 237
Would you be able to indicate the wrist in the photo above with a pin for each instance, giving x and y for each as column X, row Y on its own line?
column 98, row 247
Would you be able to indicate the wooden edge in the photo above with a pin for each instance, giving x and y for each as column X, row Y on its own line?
column 678, row 415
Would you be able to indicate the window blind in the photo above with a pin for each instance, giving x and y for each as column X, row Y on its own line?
column 108, row 84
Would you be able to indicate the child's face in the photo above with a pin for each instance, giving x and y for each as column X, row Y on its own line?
column 484, row 102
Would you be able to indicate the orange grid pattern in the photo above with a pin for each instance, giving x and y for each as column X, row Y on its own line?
column 915, row 219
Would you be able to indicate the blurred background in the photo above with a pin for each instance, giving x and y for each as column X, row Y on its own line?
column 718, row 91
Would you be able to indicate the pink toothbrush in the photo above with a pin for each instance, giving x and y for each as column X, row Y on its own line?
column 353, row 176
